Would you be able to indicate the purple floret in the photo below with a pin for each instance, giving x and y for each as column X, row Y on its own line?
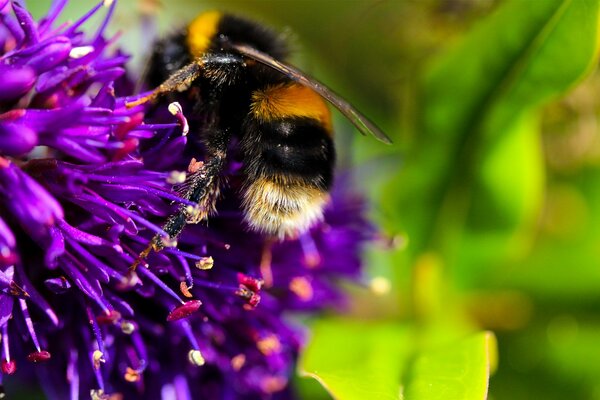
column 85, row 184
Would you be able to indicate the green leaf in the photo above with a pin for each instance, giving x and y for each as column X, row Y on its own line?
column 563, row 265
column 357, row 360
column 477, row 144
column 379, row 360
column 457, row 371
column 507, row 196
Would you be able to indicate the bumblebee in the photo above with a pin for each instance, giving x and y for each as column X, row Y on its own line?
column 246, row 94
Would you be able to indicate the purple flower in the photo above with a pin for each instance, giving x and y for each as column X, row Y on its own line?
column 85, row 184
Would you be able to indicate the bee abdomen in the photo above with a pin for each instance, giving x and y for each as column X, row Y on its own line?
column 296, row 147
column 283, row 206
column 289, row 169
column 289, row 160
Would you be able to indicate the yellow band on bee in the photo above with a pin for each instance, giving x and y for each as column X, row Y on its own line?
column 202, row 31
column 290, row 100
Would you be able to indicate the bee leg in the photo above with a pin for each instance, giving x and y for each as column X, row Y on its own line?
column 178, row 82
column 202, row 186
column 220, row 68
column 265, row 262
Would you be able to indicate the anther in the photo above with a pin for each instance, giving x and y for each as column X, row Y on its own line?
column 184, row 310
column 8, row 367
column 185, row 290
column 252, row 302
column 109, row 318
column 302, row 288
column 176, row 109
column 39, row 356
column 127, row 327
column 205, row 263
column 98, row 394
column 269, row 345
column 195, row 357
column 238, row 362
column 248, row 290
column 98, row 358
column 176, row 177
column 273, row 384
column 251, row 283
column 81, row 51
column 132, row 375
column 252, row 299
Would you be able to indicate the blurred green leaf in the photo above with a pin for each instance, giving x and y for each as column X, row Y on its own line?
column 367, row 359
column 558, row 357
column 478, row 145
column 563, row 267
column 457, row 371
column 357, row 360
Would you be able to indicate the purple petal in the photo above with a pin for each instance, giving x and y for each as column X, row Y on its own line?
column 52, row 78
column 8, row 367
column 26, row 21
column 35, row 296
column 16, row 82
column 55, row 248
column 53, row 13
column 7, row 238
column 32, row 206
column 6, row 276
column 16, row 139
column 84, row 237
column 6, row 306
column 42, row 56
column 58, row 285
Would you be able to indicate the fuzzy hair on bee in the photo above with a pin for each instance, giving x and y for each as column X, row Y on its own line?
column 234, row 71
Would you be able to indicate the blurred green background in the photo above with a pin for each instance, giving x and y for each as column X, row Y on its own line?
column 488, row 202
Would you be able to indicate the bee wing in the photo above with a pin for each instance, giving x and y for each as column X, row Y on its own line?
column 360, row 121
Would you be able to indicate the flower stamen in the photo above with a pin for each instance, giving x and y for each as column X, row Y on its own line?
column 39, row 356
column 205, row 263
column 269, row 345
column 82, row 51
column 29, row 324
column 302, row 288
column 265, row 263
column 195, row 357
column 185, row 289
column 312, row 257
column 176, row 109
column 238, row 361
column 184, row 310
column 98, row 359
